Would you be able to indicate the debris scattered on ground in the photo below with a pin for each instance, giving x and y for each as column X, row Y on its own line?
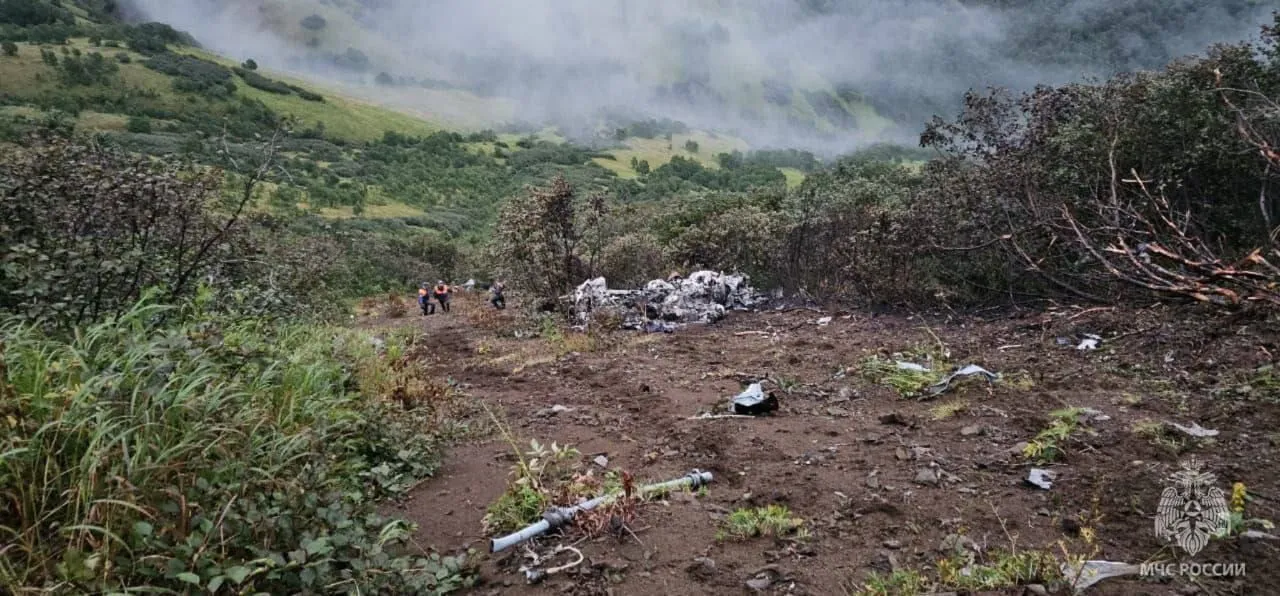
column 552, row 411
column 1086, row 574
column 1092, row 415
column 967, row 371
column 911, row 366
column 703, row 297
column 754, row 401
column 1195, row 430
column 824, row 321
column 534, row 575
column 1041, row 478
column 661, row 327
column 1089, row 342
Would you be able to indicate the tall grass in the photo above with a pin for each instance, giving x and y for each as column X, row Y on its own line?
column 163, row 452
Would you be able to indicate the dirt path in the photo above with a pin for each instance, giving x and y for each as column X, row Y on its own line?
column 884, row 483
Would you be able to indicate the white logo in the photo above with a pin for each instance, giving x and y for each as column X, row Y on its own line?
column 1193, row 511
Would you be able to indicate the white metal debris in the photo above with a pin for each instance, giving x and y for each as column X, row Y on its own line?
column 702, row 297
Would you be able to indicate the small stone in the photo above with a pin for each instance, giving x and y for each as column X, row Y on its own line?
column 1019, row 448
column 702, row 567
column 971, row 430
column 893, row 544
column 845, row 393
column 834, row 411
column 901, row 454
column 894, row 418
column 873, row 482
column 759, row 584
column 1036, row 589
column 927, row 476
column 601, row 461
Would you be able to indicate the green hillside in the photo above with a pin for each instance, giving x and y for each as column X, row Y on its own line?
column 147, row 88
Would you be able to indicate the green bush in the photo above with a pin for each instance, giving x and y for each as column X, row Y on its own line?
column 9, row 48
column 194, row 75
column 139, row 124
column 168, row 450
column 257, row 81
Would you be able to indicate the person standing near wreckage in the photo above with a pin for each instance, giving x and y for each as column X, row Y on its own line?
column 441, row 292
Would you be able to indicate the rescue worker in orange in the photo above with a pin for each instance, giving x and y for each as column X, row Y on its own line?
column 441, row 292
column 424, row 301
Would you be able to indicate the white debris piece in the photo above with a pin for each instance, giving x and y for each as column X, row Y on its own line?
column 1086, row 574
column 1195, row 430
column 703, row 297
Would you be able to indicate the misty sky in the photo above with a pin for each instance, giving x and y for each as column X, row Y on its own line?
column 565, row 59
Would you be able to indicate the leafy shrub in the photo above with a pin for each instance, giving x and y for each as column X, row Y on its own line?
column 745, row 239
column 169, row 450
column 28, row 13
column 633, row 259
column 153, row 38
column 9, row 48
column 194, row 75
column 139, row 124
column 538, row 241
column 250, row 64
column 93, row 69
column 84, row 232
column 257, row 81
column 305, row 94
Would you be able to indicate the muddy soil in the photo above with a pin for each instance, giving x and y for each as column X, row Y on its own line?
column 884, row 482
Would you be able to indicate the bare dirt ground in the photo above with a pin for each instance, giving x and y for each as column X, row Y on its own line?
column 883, row 482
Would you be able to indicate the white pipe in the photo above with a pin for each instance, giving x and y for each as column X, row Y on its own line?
column 558, row 516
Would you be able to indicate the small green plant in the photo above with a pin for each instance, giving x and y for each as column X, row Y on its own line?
column 1048, row 444
column 946, row 410
column 788, row 385
column 1237, row 522
column 999, row 570
column 1158, row 434
column 903, row 582
column 904, row 377
column 539, row 474
column 772, row 520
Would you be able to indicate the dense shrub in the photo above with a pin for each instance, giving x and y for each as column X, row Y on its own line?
column 194, row 75
column 93, row 69
column 257, row 81
column 85, row 232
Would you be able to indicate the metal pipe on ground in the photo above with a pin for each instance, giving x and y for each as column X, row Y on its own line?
column 559, row 516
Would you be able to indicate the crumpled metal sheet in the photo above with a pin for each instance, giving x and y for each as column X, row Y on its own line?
column 703, row 297
column 1091, row 572
column 966, row 371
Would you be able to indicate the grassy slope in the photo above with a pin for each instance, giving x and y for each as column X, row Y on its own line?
column 343, row 116
column 656, row 151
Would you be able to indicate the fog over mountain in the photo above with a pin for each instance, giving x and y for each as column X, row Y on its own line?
column 826, row 75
